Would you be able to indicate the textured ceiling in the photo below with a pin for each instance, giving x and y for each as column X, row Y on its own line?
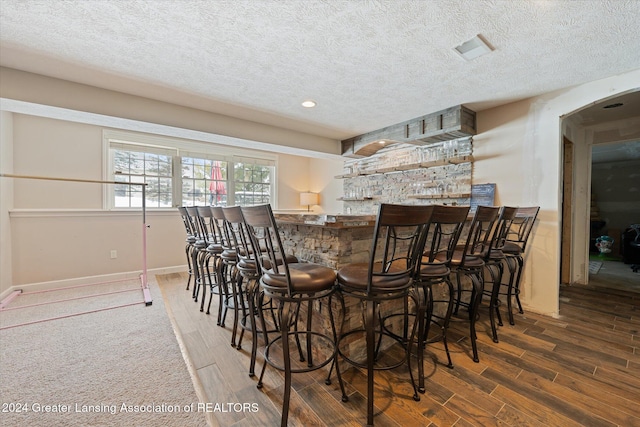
column 367, row 63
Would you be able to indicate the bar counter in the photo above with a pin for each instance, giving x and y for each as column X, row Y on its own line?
column 334, row 241
column 327, row 239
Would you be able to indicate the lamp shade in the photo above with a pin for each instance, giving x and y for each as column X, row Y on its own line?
column 308, row 199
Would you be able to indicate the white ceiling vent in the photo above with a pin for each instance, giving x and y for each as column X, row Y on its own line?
column 473, row 48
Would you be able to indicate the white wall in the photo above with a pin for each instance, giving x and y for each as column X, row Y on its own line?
column 6, row 198
column 58, row 229
column 519, row 147
column 34, row 88
column 322, row 173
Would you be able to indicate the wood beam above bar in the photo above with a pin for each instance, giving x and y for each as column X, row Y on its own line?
column 452, row 123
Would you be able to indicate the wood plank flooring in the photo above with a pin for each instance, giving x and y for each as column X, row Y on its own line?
column 582, row 369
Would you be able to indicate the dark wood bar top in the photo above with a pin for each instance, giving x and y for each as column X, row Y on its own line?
column 326, row 220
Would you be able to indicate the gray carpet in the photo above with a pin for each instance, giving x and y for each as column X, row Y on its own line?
column 113, row 367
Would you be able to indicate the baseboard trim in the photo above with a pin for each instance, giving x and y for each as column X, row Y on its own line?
column 88, row 280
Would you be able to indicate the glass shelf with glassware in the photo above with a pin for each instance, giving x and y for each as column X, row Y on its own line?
column 422, row 165
column 357, row 193
column 440, row 196
column 355, row 199
column 441, row 189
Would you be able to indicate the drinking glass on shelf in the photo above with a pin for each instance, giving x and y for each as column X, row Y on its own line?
column 454, row 148
column 464, row 147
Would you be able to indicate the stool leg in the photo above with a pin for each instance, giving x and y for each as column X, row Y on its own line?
column 224, row 303
column 236, row 286
column 206, row 277
column 512, row 265
column 476, row 298
column 309, row 313
column 493, row 300
column 285, row 322
column 370, row 338
column 336, row 338
column 251, row 300
column 217, row 280
column 423, row 316
column 445, row 324
column 196, row 275
column 459, row 296
column 187, row 251
column 412, row 337
column 517, row 285
column 246, row 311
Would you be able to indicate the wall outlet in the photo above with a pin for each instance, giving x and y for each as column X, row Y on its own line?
column 114, row 254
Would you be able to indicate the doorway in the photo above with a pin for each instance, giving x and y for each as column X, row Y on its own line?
column 601, row 142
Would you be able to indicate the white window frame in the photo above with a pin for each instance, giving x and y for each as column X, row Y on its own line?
column 181, row 148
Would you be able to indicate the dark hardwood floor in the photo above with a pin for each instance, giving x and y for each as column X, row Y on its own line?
column 582, row 369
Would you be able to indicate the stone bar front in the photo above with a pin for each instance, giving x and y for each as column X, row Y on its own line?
column 335, row 241
column 330, row 240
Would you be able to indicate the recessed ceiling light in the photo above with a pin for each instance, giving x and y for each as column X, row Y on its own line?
column 616, row 105
column 308, row 103
column 473, row 48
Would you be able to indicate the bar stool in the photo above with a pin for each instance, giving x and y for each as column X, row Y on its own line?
column 433, row 270
column 398, row 241
column 247, row 292
column 514, row 249
column 226, row 259
column 212, row 252
column 228, row 271
column 199, row 246
column 494, row 260
column 465, row 264
column 189, row 227
column 291, row 286
column 204, row 247
column 244, row 267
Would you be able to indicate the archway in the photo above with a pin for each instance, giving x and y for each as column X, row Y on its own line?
column 607, row 121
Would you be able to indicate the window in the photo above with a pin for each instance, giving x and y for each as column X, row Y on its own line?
column 252, row 184
column 184, row 175
column 204, row 182
column 136, row 163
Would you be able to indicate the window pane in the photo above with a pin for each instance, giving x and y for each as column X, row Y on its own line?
column 203, row 182
column 252, row 184
column 140, row 167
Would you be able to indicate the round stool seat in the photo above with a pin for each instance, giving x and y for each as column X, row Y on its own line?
column 305, row 277
column 248, row 268
column 356, row 276
column 496, row 254
column 215, row 249
column 229, row 255
column 469, row 261
column 512, row 248
column 433, row 270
